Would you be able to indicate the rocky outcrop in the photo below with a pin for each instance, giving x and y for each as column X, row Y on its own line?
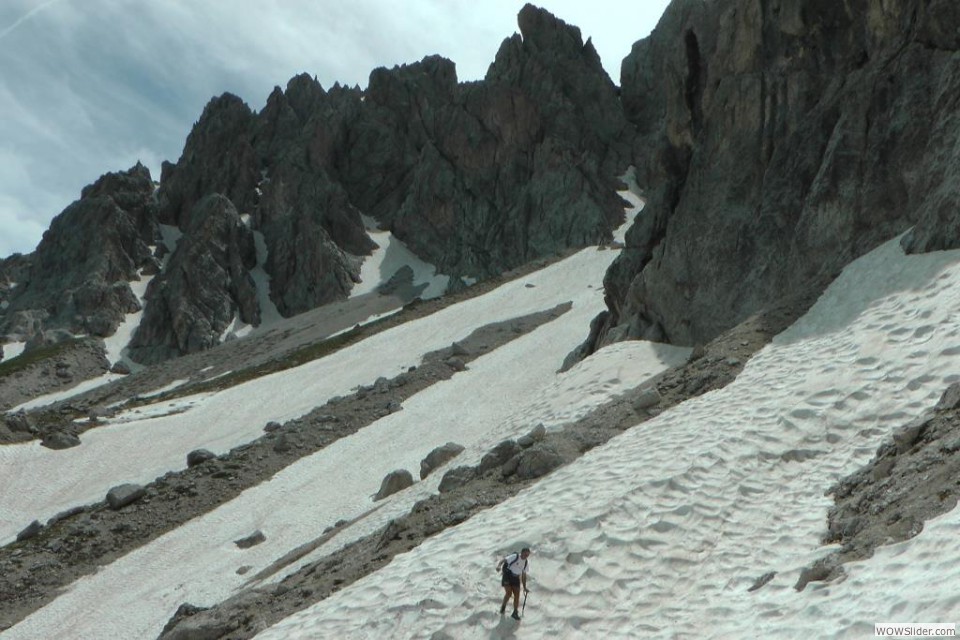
column 475, row 178
column 78, row 278
column 776, row 142
column 204, row 287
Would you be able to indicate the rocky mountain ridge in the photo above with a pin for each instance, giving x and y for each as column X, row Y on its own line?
column 475, row 178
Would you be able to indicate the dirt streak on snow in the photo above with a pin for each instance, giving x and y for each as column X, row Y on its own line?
column 40, row 482
column 502, row 394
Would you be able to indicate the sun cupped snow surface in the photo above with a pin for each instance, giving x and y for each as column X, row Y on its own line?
column 661, row 532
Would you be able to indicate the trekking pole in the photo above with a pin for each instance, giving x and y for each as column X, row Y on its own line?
column 524, row 607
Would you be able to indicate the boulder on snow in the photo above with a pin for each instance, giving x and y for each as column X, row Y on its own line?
column 455, row 478
column 199, row 456
column 30, row 531
column 123, row 495
column 950, row 398
column 394, row 482
column 438, row 457
column 251, row 540
column 60, row 440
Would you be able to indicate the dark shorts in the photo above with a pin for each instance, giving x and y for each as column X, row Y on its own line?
column 510, row 579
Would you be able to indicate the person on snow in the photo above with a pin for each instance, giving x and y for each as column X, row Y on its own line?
column 514, row 568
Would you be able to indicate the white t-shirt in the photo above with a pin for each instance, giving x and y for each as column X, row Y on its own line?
column 516, row 564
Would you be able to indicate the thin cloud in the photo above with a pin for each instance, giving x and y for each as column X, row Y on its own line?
column 29, row 14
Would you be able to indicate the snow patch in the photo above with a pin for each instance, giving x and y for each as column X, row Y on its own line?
column 11, row 350
column 390, row 256
column 632, row 195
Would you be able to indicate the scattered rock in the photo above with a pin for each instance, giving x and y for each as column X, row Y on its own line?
column 30, row 531
column 438, row 457
column 908, row 435
column 121, row 368
column 458, row 349
column 393, row 406
column 123, row 495
column 648, row 397
column 538, row 461
column 251, row 540
column 456, row 364
column 63, row 515
column 822, row 570
column 499, row 455
column 394, row 481
column 245, row 569
column 536, row 435
column 199, row 456
column 456, row 477
column 60, row 440
column 272, row 426
column 950, row 398
column 20, row 422
column 762, row 580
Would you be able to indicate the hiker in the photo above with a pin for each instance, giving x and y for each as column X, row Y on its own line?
column 514, row 568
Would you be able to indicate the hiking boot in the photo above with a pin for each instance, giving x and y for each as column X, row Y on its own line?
column 503, row 610
column 515, row 615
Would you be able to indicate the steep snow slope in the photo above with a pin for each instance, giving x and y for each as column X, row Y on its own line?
column 661, row 532
column 502, row 394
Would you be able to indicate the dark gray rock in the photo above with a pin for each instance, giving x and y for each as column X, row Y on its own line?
column 499, row 455
column 31, row 531
column 272, row 426
column 538, row 461
column 456, row 364
column 439, row 457
column 78, row 278
column 199, row 456
column 950, row 398
column 907, row 436
column 60, row 440
column 762, row 580
column 845, row 147
column 536, row 435
column 647, row 398
column 121, row 368
column 186, row 314
column 394, row 481
column 20, row 422
column 251, row 540
column 63, row 515
column 123, row 495
column 456, row 477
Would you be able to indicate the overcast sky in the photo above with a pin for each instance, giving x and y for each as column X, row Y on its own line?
column 91, row 86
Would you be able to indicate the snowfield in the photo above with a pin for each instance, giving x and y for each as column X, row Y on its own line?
column 660, row 532
column 657, row 534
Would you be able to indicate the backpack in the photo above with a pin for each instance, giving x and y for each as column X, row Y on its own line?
column 507, row 565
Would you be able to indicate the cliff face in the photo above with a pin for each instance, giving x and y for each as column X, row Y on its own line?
column 778, row 140
column 77, row 278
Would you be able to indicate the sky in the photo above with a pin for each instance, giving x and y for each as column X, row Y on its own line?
column 92, row 86
column 658, row 533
